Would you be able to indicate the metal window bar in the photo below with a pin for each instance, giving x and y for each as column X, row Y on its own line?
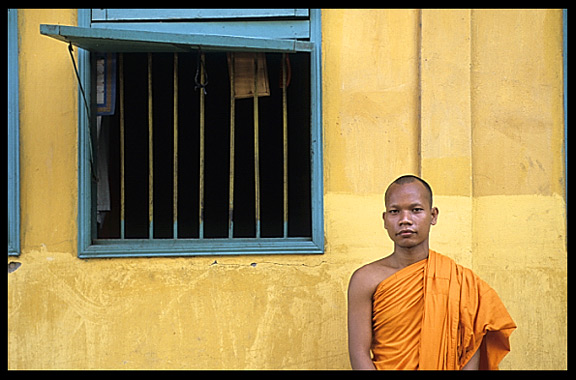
column 122, row 151
column 256, row 152
column 175, row 156
column 232, row 150
column 202, row 121
column 150, row 153
column 285, row 145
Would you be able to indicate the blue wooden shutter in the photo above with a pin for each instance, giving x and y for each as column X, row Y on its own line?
column 173, row 30
column 260, row 23
column 122, row 40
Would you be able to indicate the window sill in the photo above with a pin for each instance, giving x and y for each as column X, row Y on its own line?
column 105, row 248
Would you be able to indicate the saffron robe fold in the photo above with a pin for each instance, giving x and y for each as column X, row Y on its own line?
column 435, row 314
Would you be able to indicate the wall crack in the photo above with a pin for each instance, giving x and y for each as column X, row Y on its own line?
column 254, row 264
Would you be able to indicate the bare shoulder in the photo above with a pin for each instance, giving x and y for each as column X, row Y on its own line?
column 366, row 278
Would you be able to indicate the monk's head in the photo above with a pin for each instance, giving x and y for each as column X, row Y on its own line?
column 409, row 211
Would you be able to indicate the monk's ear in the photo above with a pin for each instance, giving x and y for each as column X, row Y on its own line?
column 434, row 213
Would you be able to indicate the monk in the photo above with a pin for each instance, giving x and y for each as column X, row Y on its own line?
column 417, row 309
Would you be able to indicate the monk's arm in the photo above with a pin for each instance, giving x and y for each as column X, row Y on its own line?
column 359, row 323
column 474, row 362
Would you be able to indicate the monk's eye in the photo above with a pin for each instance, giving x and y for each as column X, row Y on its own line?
column 417, row 209
column 393, row 212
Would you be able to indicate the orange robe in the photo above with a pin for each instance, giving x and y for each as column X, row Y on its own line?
column 435, row 314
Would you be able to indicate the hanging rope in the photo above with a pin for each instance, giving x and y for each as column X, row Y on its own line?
column 93, row 169
column 71, row 51
column 203, row 82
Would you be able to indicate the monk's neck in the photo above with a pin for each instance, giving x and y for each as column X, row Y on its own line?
column 408, row 256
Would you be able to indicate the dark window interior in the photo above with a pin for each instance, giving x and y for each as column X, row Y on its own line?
column 217, row 116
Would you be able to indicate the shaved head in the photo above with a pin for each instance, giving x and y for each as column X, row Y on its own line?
column 409, row 178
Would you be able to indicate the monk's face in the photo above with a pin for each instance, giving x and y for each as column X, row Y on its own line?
column 409, row 214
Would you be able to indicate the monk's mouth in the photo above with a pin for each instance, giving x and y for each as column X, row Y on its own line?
column 406, row 233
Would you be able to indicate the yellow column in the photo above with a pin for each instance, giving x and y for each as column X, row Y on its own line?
column 446, row 129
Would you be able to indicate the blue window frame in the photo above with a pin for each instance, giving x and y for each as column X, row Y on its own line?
column 13, row 137
column 274, row 31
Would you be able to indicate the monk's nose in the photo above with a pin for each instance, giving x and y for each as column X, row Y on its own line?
column 405, row 219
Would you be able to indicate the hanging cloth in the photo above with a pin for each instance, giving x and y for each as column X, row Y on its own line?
column 244, row 74
column 105, row 84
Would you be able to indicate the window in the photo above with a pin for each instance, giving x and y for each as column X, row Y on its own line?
column 13, row 139
column 183, row 165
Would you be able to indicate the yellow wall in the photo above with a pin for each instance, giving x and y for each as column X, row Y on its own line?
column 472, row 100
